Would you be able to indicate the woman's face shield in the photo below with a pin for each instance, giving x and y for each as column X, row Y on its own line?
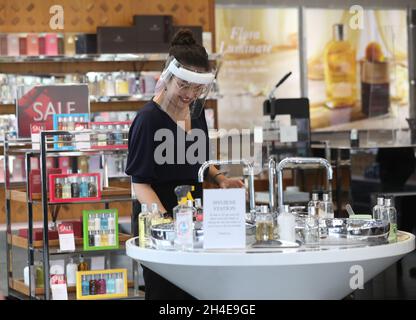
column 179, row 87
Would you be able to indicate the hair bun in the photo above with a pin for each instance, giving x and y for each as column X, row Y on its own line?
column 184, row 37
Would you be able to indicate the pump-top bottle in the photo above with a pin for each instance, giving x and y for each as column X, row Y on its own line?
column 183, row 220
column 378, row 210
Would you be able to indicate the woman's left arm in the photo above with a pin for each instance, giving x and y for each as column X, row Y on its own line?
column 222, row 181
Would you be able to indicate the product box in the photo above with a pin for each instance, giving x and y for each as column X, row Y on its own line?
column 196, row 30
column 71, row 122
column 91, row 284
column 22, row 45
column 109, row 135
column 117, row 40
column 61, row 44
column 3, row 44
column 41, row 41
column 69, row 44
column 32, row 45
column 12, row 44
column 100, row 229
column 35, row 180
column 38, row 234
column 74, row 187
column 51, row 44
column 86, row 43
column 153, row 28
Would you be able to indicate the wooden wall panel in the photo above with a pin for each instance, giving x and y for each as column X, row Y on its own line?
column 86, row 15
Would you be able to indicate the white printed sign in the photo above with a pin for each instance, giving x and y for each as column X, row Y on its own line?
column 224, row 218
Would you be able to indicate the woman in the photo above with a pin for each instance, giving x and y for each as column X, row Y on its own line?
column 177, row 109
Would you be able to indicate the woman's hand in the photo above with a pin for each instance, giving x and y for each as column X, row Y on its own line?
column 227, row 183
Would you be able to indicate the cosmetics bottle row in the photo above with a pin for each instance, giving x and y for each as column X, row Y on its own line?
column 75, row 187
column 102, row 284
column 109, row 135
column 101, row 86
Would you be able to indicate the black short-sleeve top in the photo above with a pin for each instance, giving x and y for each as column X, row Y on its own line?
column 163, row 155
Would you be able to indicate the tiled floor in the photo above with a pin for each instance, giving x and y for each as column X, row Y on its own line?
column 393, row 283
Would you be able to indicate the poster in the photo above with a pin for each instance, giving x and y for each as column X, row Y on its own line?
column 38, row 104
column 258, row 46
column 359, row 81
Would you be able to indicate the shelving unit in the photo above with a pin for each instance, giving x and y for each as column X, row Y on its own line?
column 45, row 247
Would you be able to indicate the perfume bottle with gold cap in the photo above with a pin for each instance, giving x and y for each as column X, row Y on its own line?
column 340, row 70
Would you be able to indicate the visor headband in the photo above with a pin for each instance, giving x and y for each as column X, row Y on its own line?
column 188, row 75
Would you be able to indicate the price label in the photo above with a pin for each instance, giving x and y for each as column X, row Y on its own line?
column 58, row 287
column 66, row 237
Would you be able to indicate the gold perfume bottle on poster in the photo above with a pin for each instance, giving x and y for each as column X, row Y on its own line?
column 340, row 70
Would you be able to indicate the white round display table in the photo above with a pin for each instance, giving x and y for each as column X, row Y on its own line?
column 326, row 272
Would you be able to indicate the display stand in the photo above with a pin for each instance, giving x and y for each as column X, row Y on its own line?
column 46, row 248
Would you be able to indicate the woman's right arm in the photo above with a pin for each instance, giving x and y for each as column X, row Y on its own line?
column 145, row 194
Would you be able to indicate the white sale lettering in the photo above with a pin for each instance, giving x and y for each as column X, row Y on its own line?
column 68, row 107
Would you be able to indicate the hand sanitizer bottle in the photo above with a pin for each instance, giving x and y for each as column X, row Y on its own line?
column 286, row 222
column 183, row 220
column 378, row 209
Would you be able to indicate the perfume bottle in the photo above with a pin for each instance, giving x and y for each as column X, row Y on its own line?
column 74, row 188
column 82, row 265
column 183, row 220
column 83, row 188
column 119, row 283
column 118, row 135
column 111, row 221
column 102, row 136
column 122, row 85
column 340, row 70
column 58, row 188
column 97, row 238
column 144, row 226
column 93, row 286
column 110, row 139
column 111, row 238
column 85, row 286
column 111, row 284
column 101, row 285
column 104, row 238
column 91, row 238
column 92, row 187
column 109, row 86
column 326, row 208
column 97, row 222
column 104, row 221
column 66, row 189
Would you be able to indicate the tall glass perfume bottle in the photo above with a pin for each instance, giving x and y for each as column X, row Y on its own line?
column 340, row 70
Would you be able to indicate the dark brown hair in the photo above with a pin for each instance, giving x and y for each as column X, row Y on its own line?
column 187, row 51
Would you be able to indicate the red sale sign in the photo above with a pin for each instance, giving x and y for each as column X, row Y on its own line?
column 40, row 103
